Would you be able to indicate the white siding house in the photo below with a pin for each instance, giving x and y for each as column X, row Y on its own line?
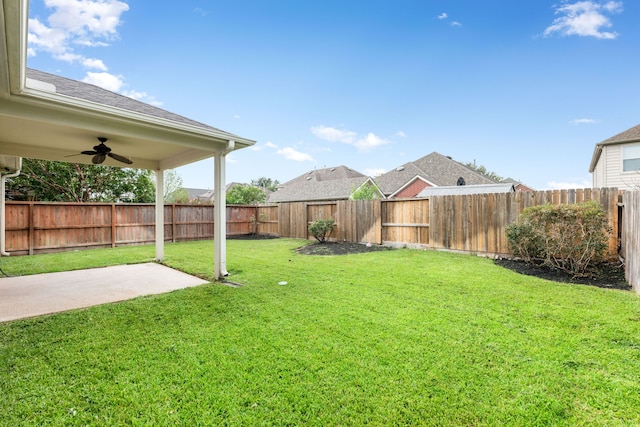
column 616, row 161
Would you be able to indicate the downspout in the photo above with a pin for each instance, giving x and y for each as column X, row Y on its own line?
column 220, row 213
column 3, row 221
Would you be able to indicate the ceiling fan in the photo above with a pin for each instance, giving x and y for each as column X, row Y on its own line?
column 101, row 151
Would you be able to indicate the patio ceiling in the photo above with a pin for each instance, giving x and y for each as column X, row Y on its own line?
column 49, row 117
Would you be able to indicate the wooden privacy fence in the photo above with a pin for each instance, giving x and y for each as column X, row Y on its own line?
column 630, row 237
column 40, row 227
column 467, row 223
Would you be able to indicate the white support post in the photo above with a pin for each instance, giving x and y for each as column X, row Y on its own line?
column 160, row 215
column 220, row 213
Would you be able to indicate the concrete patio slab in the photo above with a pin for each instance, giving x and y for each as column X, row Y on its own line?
column 29, row 296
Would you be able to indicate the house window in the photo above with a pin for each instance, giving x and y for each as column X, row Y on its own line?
column 631, row 158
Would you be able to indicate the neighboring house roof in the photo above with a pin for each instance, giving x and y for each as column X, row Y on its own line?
column 207, row 195
column 518, row 185
column 628, row 136
column 334, row 183
column 199, row 193
column 434, row 168
column 467, row 189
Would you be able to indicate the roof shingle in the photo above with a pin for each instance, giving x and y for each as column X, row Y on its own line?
column 435, row 168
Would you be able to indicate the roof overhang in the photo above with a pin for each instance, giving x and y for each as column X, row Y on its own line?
column 38, row 122
column 597, row 151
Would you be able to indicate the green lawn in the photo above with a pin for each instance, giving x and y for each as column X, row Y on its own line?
column 403, row 337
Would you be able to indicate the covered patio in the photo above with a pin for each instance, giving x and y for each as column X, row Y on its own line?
column 44, row 116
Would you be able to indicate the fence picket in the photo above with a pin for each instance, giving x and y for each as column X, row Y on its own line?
column 471, row 223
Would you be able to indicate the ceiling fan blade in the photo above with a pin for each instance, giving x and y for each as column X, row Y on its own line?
column 89, row 152
column 120, row 158
column 98, row 158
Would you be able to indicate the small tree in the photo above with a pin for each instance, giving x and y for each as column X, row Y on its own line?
column 245, row 195
column 321, row 229
column 256, row 221
column 481, row 169
column 266, row 183
column 180, row 195
column 567, row 237
column 366, row 191
column 173, row 190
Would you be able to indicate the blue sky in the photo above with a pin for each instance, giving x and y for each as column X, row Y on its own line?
column 525, row 88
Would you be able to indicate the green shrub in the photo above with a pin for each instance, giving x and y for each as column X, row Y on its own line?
column 566, row 237
column 321, row 229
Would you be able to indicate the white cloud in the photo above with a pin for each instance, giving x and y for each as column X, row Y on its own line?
column 370, row 142
column 584, row 121
column 367, row 143
column 579, row 183
column 333, row 134
column 45, row 39
column 76, row 22
column 374, row 172
column 106, row 81
column 293, row 154
column 200, row 11
column 584, row 18
column 94, row 63
column 270, row 144
column 86, row 19
column 86, row 23
column 444, row 15
column 400, row 134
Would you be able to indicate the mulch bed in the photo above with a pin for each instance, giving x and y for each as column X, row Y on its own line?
column 339, row 248
column 251, row 237
column 604, row 275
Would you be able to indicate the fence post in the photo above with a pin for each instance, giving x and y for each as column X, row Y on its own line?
column 113, row 225
column 173, row 222
column 31, row 237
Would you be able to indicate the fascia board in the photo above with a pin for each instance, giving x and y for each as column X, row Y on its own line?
column 596, row 156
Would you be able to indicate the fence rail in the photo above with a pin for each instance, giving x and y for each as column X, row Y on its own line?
column 466, row 223
column 41, row 227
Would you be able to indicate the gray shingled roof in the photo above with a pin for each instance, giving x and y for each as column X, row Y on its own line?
column 92, row 93
column 467, row 189
column 632, row 134
column 435, row 168
column 322, row 184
